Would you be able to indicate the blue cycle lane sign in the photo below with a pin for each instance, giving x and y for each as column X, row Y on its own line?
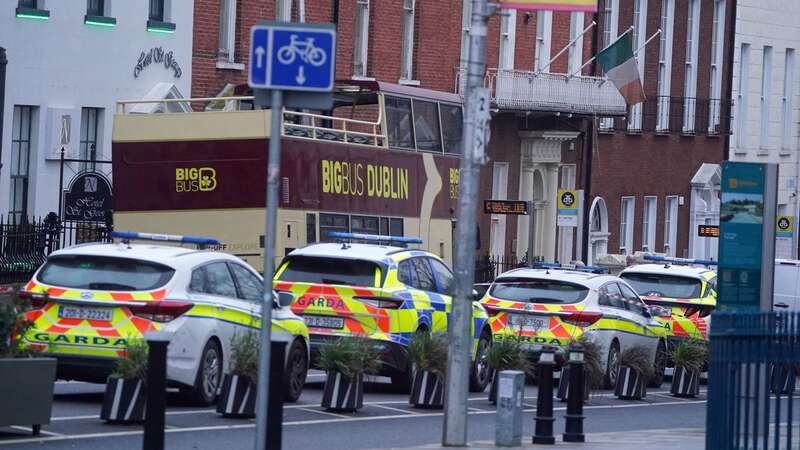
column 292, row 57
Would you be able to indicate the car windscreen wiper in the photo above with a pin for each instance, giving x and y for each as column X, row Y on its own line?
column 334, row 281
column 543, row 300
column 118, row 286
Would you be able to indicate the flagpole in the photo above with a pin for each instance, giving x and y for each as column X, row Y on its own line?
column 647, row 42
column 601, row 51
column 573, row 41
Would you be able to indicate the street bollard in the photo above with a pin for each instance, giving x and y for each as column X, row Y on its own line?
column 510, row 391
column 573, row 429
column 275, row 406
column 544, row 398
column 156, row 386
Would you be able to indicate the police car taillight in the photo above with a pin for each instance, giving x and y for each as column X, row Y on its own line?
column 582, row 318
column 37, row 300
column 380, row 302
column 162, row 311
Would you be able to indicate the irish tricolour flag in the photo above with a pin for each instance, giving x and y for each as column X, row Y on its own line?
column 551, row 5
column 620, row 67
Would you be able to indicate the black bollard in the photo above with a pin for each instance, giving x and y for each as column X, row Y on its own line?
column 156, row 386
column 573, row 429
column 277, row 364
column 544, row 398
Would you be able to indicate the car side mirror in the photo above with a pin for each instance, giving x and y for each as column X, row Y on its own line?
column 285, row 299
column 475, row 295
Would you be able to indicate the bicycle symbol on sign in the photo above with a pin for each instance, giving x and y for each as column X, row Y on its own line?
column 305, row 50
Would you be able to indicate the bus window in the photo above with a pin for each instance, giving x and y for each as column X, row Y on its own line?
column 426, row 126
column 398, row 121
column 311, row 228
column 391, row 226
column 451, row 127
column 332, row 222
column 364, row 224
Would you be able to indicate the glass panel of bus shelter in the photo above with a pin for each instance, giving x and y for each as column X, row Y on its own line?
column 426, row 126
column 452, row 122
column 398, row 121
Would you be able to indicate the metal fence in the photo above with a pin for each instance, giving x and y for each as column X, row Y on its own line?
column 753, row 370
column 488, row 267
column 25, row 244
column 685, row 115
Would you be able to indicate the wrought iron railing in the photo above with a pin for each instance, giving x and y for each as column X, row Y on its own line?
column 685, row 115
column 488, row 267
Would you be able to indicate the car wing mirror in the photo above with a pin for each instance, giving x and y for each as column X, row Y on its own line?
column 285, row 298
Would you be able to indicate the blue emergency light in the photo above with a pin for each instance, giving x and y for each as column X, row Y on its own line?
column 680, row 261
column 558, row 266
column 374, row 237
column 134, row 235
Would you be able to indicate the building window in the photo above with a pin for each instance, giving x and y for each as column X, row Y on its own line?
column 32, row 4
column 95, row 7
column 407, row 63
column 766, row 96
column 544, row 32
column 788, row 93
column 649, row 224
column 575, row 53
column 610, row 31
column 466, row 24
column 20, row 160
column 692, row 48
column 626, row 225
column 638, row 37
column 741, row 101
column 89, row 144
column 715, row 93
column 671, row 225
column 227, row 30
column 665, row 66
column 157, row 10
column 508, row 37
column 362, row 39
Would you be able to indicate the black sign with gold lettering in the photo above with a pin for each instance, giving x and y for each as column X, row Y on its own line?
column 88, row 198
column 514, row 207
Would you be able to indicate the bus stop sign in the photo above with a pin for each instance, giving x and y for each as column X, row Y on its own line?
column 292, row 57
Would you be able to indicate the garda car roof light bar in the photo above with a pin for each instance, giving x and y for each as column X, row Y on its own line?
column 680, row 261
column 128, row 236
column 559, row 266
column 377, row 238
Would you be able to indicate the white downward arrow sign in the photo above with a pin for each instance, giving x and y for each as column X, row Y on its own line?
column 301, row 75
column 260, row 56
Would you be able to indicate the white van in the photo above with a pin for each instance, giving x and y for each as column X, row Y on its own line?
column 787, row 285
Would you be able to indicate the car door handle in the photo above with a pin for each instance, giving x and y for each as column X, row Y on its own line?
column 781, row 305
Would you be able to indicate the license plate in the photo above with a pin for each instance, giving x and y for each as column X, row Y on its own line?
column 84, row 313
column 324, row 322
column 529, row 323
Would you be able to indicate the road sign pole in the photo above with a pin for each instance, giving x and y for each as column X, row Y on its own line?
column 273, row 174
column 476, row 118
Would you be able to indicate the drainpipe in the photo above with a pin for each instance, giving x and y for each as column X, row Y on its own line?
column 3, row 64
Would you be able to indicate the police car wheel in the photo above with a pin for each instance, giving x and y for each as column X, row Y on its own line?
column 612, row 366
column 209, row 375
column 296, row 371
column 481, row 372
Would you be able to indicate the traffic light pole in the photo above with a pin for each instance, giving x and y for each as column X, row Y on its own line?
column 476, row 118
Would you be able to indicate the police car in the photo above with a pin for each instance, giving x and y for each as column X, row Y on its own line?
column 551, row 305
column 88, row 300
column 682, row 293
column 383, row 292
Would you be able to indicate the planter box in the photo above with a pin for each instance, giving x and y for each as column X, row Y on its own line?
column 26, row 391
column 631, row 384
column 685, row 382
column 782, row 378
column 342, row 393
column 238, row 397
column 123, row 401
column 427, row 390
column 563, row 385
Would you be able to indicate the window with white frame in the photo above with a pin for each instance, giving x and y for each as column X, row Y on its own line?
column 626, row 207
column 715, row 91
column 575, row 56
column 508, row 37
column 788, row 93
column 610, row 32
column 638, row 37
column 649, row 224
column 361, row 39
column 544, row 32
column 766, row 97
column 742, row 98
column 20, row 159
column 227, row 30
column 671, row 225
column 665, row 65
column 692, row 49
column 407, row 57
column 91, row 118
column 466, row 24
column 283, row 10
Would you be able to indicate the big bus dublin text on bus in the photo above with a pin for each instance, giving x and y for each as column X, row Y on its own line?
column 383, row 161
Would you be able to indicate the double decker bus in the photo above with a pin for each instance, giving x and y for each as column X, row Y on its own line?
column 383, row 161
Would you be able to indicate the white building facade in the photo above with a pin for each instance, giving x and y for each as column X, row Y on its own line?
column 69, row 62
column 766, row 93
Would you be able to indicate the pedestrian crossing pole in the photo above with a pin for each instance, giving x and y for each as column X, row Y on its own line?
column 476, row 119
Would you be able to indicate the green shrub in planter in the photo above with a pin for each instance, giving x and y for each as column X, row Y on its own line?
column 238, row 395
column 124, row 398
column 593, row 368
column 636, row 368
column 26, row 390
column 428, row 355
column 506, row 354
column 346, row 361
column 689, row 358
